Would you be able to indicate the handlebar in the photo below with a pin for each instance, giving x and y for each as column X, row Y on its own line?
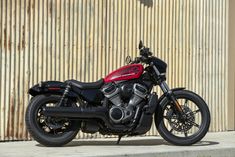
column 145, row 55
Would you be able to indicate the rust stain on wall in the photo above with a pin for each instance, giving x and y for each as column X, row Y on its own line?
column 18, row 47
column 28, row 8
column 12, row 119
column 23, row 37
column 9, row 45
column 5, row 38
column 50, row 9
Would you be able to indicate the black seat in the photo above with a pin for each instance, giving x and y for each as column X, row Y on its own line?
column 87, row 85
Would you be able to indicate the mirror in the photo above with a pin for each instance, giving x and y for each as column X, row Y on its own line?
column 128, row 60
column 141, row 45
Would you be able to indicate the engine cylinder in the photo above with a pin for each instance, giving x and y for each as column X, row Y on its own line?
column 140, row 93
column 112, row 93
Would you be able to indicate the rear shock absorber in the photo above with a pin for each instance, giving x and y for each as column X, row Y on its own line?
column 64, row 99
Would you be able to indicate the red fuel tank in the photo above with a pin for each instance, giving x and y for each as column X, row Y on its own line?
column 127, row 72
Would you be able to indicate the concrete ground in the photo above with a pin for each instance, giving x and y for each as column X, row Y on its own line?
column 213, row 145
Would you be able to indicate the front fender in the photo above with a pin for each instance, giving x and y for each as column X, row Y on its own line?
column 50, row 87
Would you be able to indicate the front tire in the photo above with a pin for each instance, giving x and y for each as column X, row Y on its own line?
column 165, row 113
column 41, row 129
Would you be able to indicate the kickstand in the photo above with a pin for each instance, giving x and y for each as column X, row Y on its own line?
column 119, row 138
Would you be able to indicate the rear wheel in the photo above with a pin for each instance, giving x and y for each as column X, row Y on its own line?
column 187, row 129
column 49, row 131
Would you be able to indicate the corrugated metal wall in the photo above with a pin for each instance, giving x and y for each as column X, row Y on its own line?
column 86, row 39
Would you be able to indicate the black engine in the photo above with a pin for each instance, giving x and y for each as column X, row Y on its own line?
column 124, row 100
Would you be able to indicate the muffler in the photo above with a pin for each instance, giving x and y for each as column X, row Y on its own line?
column 75, row 112
column 84, row 113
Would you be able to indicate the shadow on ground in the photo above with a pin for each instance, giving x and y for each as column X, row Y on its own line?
column 139, row 142
column 113, row 142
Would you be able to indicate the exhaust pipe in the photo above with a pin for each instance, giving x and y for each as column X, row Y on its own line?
column 86, row 113
column 75, row 112
column 89, row 113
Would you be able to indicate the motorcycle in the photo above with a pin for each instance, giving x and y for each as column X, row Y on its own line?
column 120, row 104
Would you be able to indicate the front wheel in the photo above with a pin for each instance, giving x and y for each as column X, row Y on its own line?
column 187, row 129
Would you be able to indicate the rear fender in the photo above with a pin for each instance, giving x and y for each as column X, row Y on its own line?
column 50, row 87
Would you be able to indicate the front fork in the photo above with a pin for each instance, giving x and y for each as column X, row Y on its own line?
column 171, row 96
column 165, row 88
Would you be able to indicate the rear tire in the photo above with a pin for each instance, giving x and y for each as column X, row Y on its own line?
column 187, row 140
column 35, row 127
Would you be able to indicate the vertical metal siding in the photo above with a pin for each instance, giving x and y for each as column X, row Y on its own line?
column 86, row 39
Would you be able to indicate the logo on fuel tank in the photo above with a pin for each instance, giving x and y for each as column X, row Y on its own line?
column 130, row 71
